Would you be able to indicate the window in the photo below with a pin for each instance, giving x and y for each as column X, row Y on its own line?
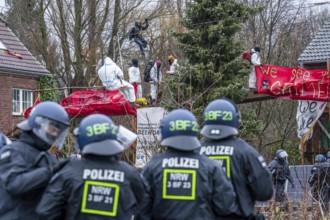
column 22, row 99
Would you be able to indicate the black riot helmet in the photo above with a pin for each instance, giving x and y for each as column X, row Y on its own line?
column 221, row 118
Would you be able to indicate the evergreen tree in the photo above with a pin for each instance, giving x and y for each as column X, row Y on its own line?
column 214, row 68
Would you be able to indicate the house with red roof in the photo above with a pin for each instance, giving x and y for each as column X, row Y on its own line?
column 19, row 72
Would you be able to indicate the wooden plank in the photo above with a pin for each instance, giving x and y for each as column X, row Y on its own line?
column 251, row 97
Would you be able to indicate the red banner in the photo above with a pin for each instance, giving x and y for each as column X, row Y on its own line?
column 89, row 102
column 293, row 83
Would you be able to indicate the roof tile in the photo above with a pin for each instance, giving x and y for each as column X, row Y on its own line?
column 28, row 64
column 319, row 48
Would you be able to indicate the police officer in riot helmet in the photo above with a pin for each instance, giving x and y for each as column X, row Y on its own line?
column 99, row 186
column 244, row 166
column 280, row 170
column 319, row 180
column 316, row 170
column 328, row 156
column 26, row 166
column 180, row 183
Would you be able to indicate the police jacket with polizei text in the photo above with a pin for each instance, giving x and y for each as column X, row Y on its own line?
column 280, row 171
column 184, row 185
column 246, row 169
column 22, row 179
column 95, row 187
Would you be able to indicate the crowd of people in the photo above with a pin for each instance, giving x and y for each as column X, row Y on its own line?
column 112, row 78
column 221, row 177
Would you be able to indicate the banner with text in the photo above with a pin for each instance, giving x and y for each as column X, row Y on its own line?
column 293, row 83
column 308, row 112
column 148, row 132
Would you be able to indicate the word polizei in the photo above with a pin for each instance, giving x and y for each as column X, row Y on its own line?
column 183, row 162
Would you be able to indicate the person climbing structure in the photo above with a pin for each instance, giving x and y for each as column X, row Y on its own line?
column 134, row 33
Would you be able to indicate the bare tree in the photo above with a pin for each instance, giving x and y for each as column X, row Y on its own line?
column 282, row 29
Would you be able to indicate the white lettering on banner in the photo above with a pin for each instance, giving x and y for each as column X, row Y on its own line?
column 217, row 150
column 182, row 162
column 148, row 132
column 308, row 112
column 100, row 174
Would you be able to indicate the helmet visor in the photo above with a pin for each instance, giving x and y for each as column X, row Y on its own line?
column 50, row 131
column 283, row 156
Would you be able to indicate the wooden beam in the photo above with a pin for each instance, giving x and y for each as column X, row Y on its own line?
column 251, row 97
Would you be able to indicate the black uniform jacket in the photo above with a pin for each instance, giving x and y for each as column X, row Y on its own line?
column 246, row 169
column 185, row 185
column 24, row 174
column 95, row 187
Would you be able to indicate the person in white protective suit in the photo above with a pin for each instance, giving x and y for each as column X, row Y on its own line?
column 135, row 77
column 112, row 78
column 173, row 65
column 156, row 76
column 255, row 61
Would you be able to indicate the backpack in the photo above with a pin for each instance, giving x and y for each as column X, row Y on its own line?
column 147, row 70
column 246, row 55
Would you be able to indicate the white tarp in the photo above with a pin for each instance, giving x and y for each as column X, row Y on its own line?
column 308, row 112
column 148, row 132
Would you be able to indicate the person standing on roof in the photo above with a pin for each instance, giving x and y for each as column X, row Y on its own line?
column 135, row 77
column 112, row 78
column 100, row 186
column 26, row 165
column 280, row 170
column 181, row 183
column 244, row 166
column 156, row 77
column 255, row 61
column 135, row 33
column 173, row 65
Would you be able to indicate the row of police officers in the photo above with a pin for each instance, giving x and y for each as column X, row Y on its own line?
column 220, row 178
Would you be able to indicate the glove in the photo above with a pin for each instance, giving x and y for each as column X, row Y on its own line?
column 146, row 20
column 292, row 185
column 57, row 167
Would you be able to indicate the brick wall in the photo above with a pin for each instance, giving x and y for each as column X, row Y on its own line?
column 8, row 121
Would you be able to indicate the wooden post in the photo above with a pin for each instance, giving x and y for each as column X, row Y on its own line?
column 133, row 147
column 302, row 150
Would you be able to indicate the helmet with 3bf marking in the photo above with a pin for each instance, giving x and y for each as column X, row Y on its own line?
column 98, row 135
column 49, row 121
column 221, row 118
column 179, row 130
